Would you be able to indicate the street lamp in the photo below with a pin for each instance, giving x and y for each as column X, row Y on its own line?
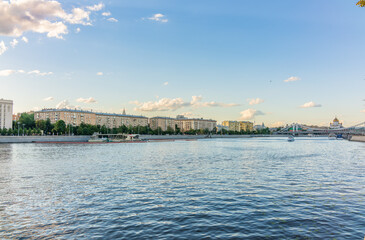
column 23, row 129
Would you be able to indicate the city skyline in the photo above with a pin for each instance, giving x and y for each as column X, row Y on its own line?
column 268, row 62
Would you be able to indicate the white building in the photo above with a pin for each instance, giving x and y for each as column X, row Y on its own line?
column 6, row 114
column 335, row 124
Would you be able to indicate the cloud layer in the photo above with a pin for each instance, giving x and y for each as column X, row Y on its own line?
column 310, row 105
column 255, row 101
column 168, row 104
column 86, row 100
column 48, row 99
column 292, row 79
column 158, row 17
column 249, row 114
column 41, row 16
column 8, row 72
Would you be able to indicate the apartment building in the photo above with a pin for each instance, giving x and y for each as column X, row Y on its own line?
column 111, row 120
column 232, row 125
column 246, row 126
column 76, row 117
column 186, row 124
column 238, row 126
column 163, row 122
column 6, row 114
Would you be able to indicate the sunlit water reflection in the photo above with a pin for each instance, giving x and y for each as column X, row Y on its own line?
column 262, row 188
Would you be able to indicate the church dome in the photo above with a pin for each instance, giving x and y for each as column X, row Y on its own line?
column 335, row 120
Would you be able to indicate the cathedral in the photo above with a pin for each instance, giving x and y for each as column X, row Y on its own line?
column 335, row 124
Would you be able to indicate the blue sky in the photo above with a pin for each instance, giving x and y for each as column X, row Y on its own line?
column 154, row 56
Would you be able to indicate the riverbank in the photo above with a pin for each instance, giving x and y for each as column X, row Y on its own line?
column 32, row 139
column 73, row 139
column 357, row 138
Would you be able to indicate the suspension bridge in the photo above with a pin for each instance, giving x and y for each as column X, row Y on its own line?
column 299, row 129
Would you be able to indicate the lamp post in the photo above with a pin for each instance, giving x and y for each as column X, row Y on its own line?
column 18, row 128
column 23, row 129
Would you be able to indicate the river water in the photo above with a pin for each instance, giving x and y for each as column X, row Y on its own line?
column 260, row 188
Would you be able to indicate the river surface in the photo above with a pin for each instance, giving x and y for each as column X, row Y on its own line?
column 259, row 188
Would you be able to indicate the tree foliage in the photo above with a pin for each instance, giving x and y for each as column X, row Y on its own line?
column 361, row 3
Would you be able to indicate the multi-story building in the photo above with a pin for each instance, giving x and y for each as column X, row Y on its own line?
column 246, row 126
column 6, row 113
column 238, row 126
column 76, row 117
column 165, row 123
column 186, row 124
column 232, row 125
column 112, row 120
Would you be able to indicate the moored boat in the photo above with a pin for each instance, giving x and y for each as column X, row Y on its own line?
column 291, row 138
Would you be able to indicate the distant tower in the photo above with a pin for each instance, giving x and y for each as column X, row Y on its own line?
column 124, row 111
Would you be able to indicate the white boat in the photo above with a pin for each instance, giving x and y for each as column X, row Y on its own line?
column 291, row 138
column 332, row 136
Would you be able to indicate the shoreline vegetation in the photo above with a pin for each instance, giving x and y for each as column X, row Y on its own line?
column 27, row 126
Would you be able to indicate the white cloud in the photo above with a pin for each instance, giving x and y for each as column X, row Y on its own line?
column 166, row 83
column 96, row 7
column 196, row 103
column 164, row 104
column 292, row 79
column 3, row 48
column 188, row 114
column 112, row 19
column 25, row 39
column 310, row 105
column 100, row 73
column 40, row 16
column 14, row 42
column 86, row 100
column 64, row 104
column 249, row 114
column 7, row 72
column 48, row 99
column 158, row 17
column 39, row 73
column 106, row 14
column 167, row 104
column 78, row 30
column 255, row 101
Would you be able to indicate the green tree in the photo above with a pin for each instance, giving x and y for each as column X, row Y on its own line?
column 60, row 127
column 41, row 124
column 49, row 126
column 28, row 120
column 10, row 132
column 4, row 132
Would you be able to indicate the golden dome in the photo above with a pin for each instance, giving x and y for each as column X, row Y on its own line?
column 335, row 120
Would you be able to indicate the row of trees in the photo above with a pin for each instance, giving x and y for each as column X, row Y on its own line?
column 28, row 126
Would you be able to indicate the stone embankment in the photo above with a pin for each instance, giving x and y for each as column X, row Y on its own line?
column 358, row 138
column 32, row 139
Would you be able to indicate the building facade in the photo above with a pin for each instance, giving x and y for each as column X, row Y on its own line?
column 232, row 125
column 6, row 114
column 76, row 117
column 165, row 123
column 186, row 124
column 336, row 124
column 246, row 126
column 238, row 126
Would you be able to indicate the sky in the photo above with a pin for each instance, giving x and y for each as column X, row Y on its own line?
column 275, row 62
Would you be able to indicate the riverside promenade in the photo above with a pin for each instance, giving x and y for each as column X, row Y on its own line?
column 358, row 139
column 33, row 139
